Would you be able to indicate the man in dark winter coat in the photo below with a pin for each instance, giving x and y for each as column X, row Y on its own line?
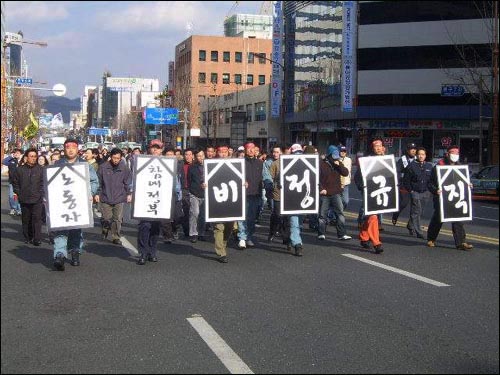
column 27, row 183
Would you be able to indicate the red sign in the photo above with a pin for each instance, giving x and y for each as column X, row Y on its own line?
column 446, row 141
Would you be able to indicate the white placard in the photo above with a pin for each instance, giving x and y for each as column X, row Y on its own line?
column 154, row 187
column 67, row 188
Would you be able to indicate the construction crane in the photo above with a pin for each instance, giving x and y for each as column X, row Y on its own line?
column 233, row 7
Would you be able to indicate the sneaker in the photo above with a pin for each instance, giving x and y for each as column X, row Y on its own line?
column 465, row 246
column 141, row 261
column 117, row 241
column 75, row 258
column 12, row 212
column 378, row 249
column 365, row 244
column 222, row 259
column 250, row 243
column 194, row 239
column 431, row 243
column 321, row 237
column 242, row 244
column 59, row 262
column 345, row 237
column 298, row 250
column 394, row 221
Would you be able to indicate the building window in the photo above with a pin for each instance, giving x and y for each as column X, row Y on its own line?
column 227, row 115
column 249, row 112
column 250, row 79
column 238, row 57
column 214, row 56
column 260, row 111
column 225, row 78
column 202, row 77
column 262, row 58
column 237, row 79
column 226, row 56
column 202, row 55
column 250, row 57
column 262, row 79
column 213, row 77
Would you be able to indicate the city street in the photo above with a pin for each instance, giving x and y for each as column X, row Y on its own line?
column 337, row 309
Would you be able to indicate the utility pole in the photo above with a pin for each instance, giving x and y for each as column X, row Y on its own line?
column 185, row 128
column 494, row 132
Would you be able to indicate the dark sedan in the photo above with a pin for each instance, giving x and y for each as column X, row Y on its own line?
column 486, row 183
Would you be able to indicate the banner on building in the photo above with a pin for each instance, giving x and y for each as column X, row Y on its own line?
column 455, row 198
column 225, row 194
column 69, row 201
column 380, row 192
column 349, row 46
column 299, row 176
column 277, row 56
column 154, row 187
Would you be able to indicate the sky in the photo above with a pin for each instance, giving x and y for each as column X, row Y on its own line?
column 127, row 38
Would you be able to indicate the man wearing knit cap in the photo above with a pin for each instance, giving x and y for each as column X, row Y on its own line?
column 330, row 190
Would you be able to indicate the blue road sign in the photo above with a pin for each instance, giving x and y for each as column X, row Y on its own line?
column 452, row 90
column 98, row 131
column 24, row 81
column 162, row 116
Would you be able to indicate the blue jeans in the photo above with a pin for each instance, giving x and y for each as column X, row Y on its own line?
column 14, row 204
column 345, row 196
column 334, row 201
column 147, row 238
column 295, row 238
column 246, row 228
column 68, row 241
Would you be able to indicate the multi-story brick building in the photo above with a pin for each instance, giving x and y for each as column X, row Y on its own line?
column 213, row 66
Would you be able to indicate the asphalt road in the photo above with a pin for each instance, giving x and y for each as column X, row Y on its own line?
column 435, row 311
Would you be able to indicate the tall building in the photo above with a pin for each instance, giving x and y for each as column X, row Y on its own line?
column 249, row 26
column 417, row 72
column 212, row 66
column 419, row 68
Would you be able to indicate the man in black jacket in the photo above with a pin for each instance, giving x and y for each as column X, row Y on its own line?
column 196, row 180
column 28, row 184
column 401, row 166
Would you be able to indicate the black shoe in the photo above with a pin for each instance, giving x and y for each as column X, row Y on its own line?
column 141, row 261
column 411, row 232
column 168, row 240
column 420, row 235
column 381, row 228
column 298, row 250
column 365, row 244
column 75, row 259
column 152, row 258
column 223, row 259
column 117, row 241
column 59, row 262
column 37, row 243
column 378, row 249
column 104, row 234
column 28, row 241
column 394, row 221
column 194, row 239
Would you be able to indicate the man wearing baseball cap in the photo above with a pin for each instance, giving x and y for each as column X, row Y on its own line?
column 451, row 157
column 148, row 230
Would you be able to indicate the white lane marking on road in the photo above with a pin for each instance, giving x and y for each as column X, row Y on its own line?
column 130, row 248
column 482, row 218
column 397, row 270
column 491, row 208
column 9, row 230
column 226, row 355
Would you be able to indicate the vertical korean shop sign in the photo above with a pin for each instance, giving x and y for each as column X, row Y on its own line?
column 67, row 188
column 299, row 176
column 154, row 187
column 276, row 89
column 455, row 198
column 225, row 195
column 380, row 192
column 349, row 46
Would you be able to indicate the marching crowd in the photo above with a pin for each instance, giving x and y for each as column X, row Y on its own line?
column 111, row 176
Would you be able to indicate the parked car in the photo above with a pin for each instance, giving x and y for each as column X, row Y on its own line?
column 486, row 183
